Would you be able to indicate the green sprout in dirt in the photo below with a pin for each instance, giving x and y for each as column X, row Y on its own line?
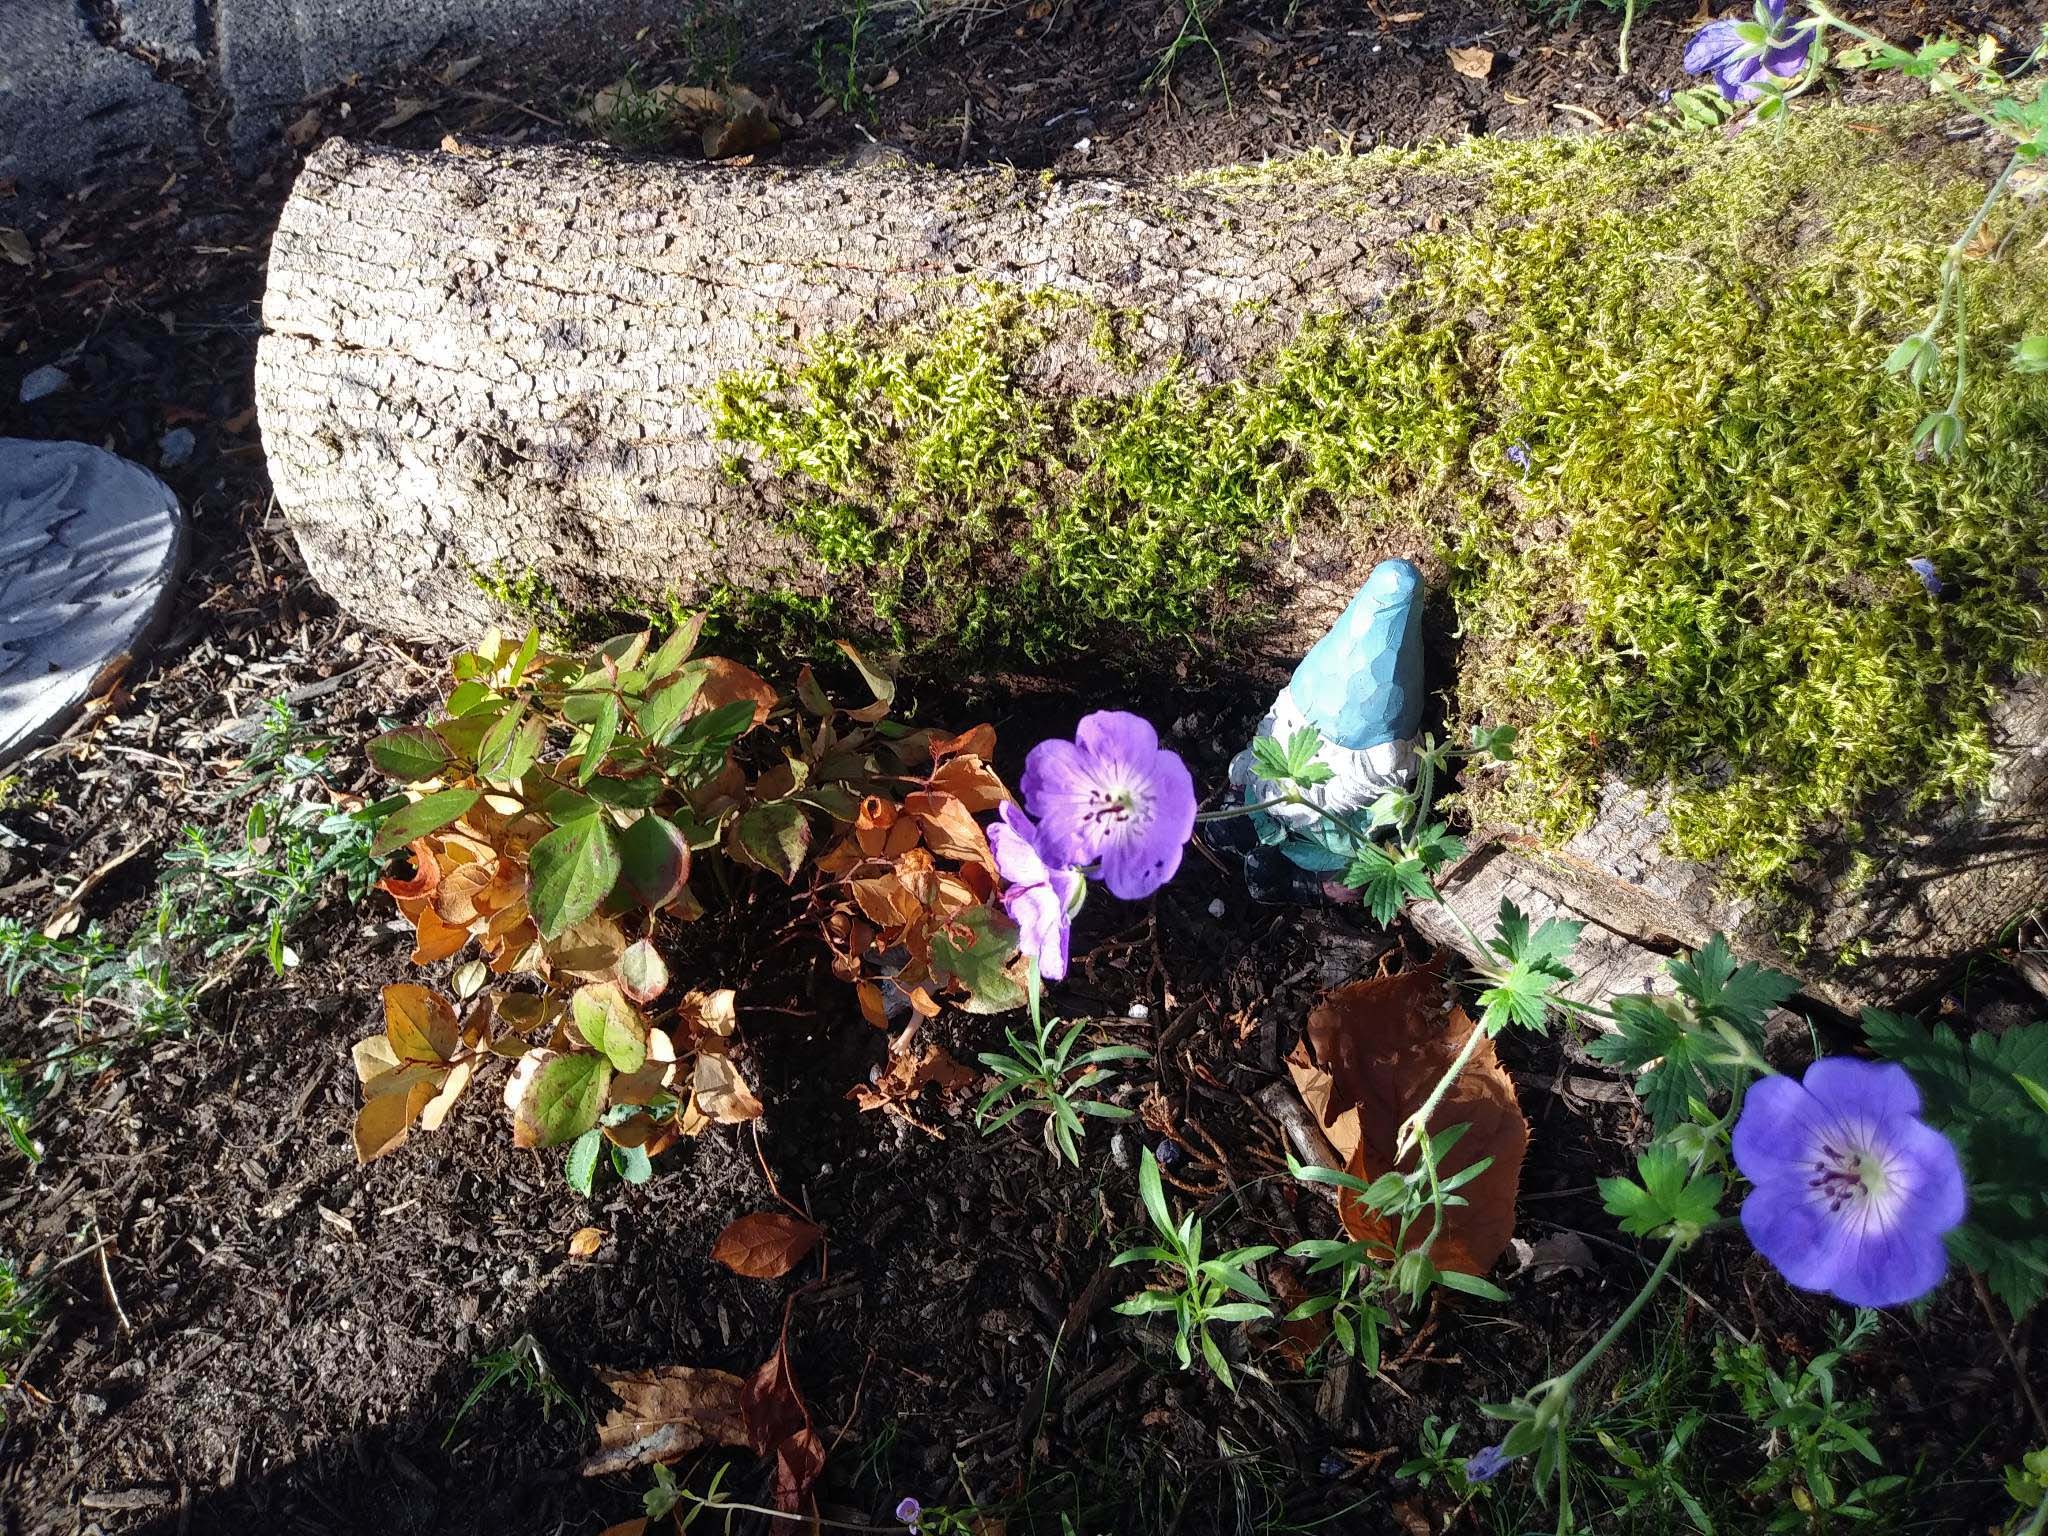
column 1370, row 1274
column 224, row 894
column 20, row 1312
column 1815, row 1429
column 1050, row 1080
column 2027, row 1483
column 841, row 74
column 1194, row 32
column 1200, row 1291
column 523, row 1365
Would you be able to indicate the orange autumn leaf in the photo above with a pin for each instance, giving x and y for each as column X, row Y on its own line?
column 949, row 828
column 976, row 741
column 726, row 681
column 766, row 1245
column 1377, row 1048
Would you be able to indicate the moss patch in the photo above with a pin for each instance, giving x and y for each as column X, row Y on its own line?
column 1637, row 403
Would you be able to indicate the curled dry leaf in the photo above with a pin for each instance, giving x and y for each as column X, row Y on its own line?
column 1474, row 63
column 779, row 1425
column 766, row 1245
column 666, row 1413
column 585, row 1241
column 1375, row 1050
column 896, row 1090
column 721, row 1092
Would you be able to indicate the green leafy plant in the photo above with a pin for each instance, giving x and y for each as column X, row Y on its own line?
column 565, row 806
column 1811, row 1431
column 1650, row 1485
column 1199, row 1292
column 1990, row 1097
column 1702, row 1043
column 840, row 71
column 224, row 893
column 1437, row 1459
column 524, row 1366
column 1049, row 1079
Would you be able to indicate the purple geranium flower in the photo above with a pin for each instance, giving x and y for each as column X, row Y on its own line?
column 1112, row 795
column 1854, row 1191
column 1486, row 1465
column 1737, row 52
column 1040, row 899
column 910, row 1512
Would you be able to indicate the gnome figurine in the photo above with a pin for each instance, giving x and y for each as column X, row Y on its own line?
column 1360, row 686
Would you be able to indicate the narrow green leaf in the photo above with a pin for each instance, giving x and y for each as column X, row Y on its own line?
column 419, row 818
column 602, row 730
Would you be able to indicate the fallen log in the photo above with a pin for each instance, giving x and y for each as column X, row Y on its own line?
column 584, row 382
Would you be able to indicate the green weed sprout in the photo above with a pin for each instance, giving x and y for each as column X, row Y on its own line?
column 523, row 1365
column 1052, row 1080
column 1818, row 1429
column 1200, row 1292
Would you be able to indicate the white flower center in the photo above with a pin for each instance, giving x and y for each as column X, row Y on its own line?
column 1854, row 1173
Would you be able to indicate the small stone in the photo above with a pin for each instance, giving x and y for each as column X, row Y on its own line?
column 46, row 380
column 1119, row 1150
column 1217, row 908
column 1138, row 1011
column 175, row 447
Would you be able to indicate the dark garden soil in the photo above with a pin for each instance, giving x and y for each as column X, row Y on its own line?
column 247, row 1331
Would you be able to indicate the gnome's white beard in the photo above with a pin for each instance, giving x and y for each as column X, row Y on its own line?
column 1358, row 775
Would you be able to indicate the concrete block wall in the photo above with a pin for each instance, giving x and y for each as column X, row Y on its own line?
column 86, row 85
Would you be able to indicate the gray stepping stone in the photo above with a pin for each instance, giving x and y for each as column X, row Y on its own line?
column 90, row 549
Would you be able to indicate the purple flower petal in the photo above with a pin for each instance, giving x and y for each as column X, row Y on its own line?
column 1711, row 47
column 1878, row 1090
column 1853, row 1191
column 1485, row 1465
column 1038, row 899
column 1112, row 796
column 1929, row 577
column 1779, row 1119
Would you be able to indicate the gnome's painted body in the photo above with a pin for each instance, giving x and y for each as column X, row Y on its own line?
column 1361, row 688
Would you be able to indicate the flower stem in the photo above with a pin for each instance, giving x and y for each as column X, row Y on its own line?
column 1232, row 812
column 1562, row 1385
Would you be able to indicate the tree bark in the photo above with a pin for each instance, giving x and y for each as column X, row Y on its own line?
column 496, row 362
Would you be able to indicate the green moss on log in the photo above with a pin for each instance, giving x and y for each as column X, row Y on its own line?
column 1699, row 578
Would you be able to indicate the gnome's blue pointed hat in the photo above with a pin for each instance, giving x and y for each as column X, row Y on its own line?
column 1361, row 685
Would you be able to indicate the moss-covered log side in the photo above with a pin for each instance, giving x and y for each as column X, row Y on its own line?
column 1634, row 408
column 1624, row 395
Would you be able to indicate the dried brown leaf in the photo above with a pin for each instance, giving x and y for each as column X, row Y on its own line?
column 419, row 1023
column 766, row 1245
column 585, row 1241
column 726, row 680
column 666, row 1413
column 721, row 1092
column 1384, row 1043
column 779, row 1425
column 384, row 1119
column 1474, row 63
